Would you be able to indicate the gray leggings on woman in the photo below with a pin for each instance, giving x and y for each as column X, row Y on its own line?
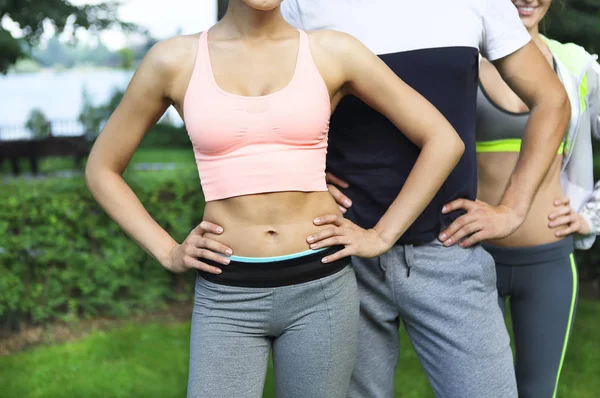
column 311, row 327
column 540, row 285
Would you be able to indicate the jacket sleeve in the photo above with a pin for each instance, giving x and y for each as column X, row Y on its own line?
column 594, row 84
column 591, row 209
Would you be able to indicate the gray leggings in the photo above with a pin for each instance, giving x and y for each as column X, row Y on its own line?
column 311, row 327
column 540, row 284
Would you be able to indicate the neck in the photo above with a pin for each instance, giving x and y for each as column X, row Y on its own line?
column 248, row 22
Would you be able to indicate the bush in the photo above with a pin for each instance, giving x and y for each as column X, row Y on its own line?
column 164, row 135
column 61, row 256
column 38, row 124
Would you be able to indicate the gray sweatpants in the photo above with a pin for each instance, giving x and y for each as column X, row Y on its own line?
column 448, row 301
column 540, row 285
column 311, row 327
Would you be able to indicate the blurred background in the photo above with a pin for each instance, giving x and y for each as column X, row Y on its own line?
column 83, row 311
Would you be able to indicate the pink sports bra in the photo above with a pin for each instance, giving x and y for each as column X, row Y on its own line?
column 249, row 145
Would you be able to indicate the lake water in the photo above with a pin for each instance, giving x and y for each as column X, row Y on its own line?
column 59, row 95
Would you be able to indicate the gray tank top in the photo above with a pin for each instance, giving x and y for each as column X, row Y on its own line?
column 496, row 129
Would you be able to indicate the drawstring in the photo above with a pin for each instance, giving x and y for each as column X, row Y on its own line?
column 408, row 257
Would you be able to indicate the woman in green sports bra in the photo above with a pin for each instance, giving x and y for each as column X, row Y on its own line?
column 536, row 273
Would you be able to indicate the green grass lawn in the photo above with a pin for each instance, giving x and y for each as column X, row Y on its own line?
column 151, row 361
column 180, row 157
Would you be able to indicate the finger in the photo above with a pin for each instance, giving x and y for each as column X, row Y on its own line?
column 466, row 230
column 203, row 254
column 455, row 226
column 341, row 199
column 206, row 226
column 345, row 252
column 197, row 264
column 571, row 229
column 212, row 245
column 564, row 210
column 333, row 179
column 563, row 201
column 473, row 239
column 329, row 219
column 343, row 209
column 333, row 241
column 563, row 220
column 323, row 234
column 457, row 204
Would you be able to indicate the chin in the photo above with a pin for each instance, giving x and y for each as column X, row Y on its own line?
column 263, row 5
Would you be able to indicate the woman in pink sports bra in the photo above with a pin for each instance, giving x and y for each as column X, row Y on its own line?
column 256, row 95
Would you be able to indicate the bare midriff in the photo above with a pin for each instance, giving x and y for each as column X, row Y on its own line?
column 270, row 224
column 494, row 171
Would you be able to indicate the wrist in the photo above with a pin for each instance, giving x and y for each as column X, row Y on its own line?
column 389, row 238
column 166, row 257
column 518, row 213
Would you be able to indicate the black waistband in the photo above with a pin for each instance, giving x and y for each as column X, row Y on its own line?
column 277, row 273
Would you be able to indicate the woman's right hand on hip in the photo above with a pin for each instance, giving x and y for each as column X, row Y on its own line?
column 196, row 247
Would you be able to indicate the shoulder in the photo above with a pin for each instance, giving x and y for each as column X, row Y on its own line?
column 170, row 55
column 336, row 43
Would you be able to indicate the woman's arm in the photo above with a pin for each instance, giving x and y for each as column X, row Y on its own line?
column 144, row 102
column 364, row 75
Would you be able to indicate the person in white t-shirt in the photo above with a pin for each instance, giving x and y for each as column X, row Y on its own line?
column 445, row 294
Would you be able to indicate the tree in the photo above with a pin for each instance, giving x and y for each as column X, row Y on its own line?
column 93, row 117
column 127, row 58
column 38, row 124
column 576, row 21
column 31, row 15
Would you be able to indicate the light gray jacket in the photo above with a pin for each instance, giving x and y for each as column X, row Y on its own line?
column 580, row 74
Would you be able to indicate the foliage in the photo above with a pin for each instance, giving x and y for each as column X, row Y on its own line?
column 91, row 117
column 127, row 58
column 161, row 135
column 576, row 21
column 38, row 124
column 164, row 135
column 94, row 117
column 56, row 52
column 61, row 255
column 32, row 14
column 25, row 65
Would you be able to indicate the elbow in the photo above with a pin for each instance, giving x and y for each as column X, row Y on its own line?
column 457, row 148
column 90, row 176
column 95, row 175
column 557, row 103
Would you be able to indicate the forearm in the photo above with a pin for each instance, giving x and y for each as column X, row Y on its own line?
column 122, row 205
column 543, row 134
column 437, row 159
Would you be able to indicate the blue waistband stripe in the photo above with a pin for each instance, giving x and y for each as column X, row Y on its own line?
column 275, row 258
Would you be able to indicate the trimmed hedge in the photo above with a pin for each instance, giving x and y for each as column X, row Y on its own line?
column 61, row 256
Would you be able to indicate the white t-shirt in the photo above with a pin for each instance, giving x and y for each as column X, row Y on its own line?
column 386, row 26
column 434, row 47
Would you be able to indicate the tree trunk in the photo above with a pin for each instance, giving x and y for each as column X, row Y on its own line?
column 221, row 8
